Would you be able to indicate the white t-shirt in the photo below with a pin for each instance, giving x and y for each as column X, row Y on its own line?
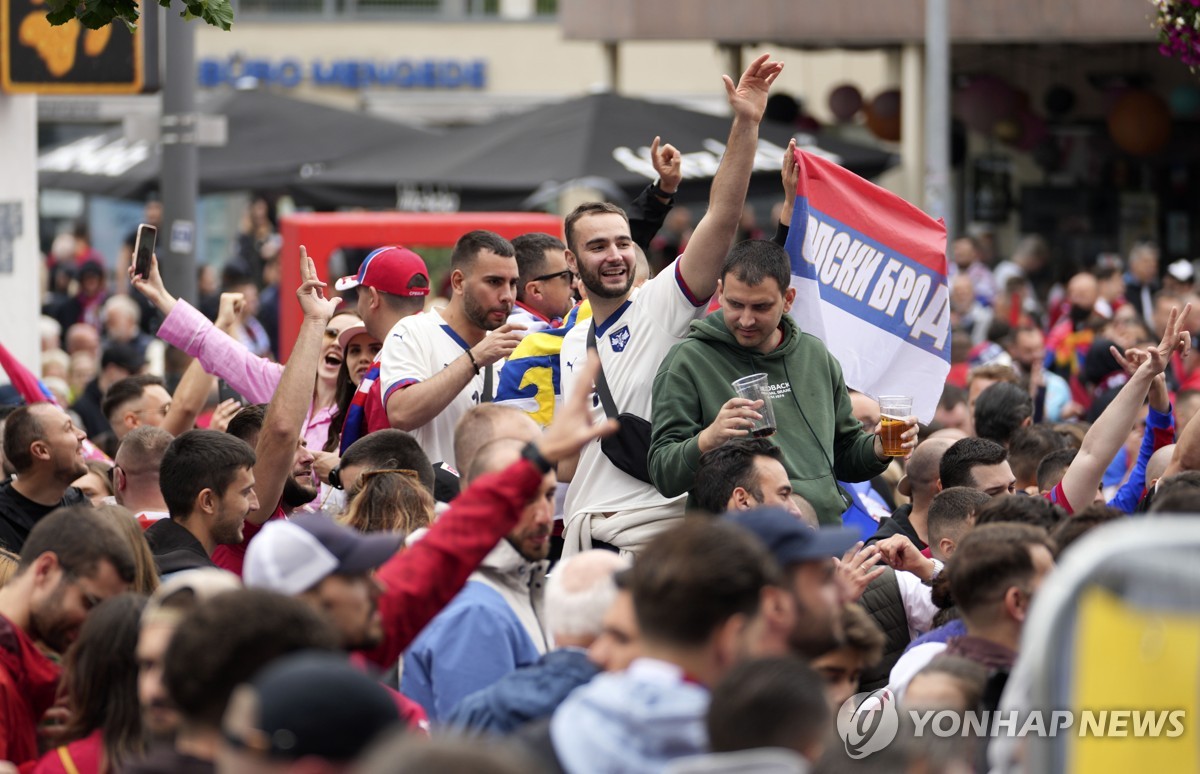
column 417, row 348
column 632, row 343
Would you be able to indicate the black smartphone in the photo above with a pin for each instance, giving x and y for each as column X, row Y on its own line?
column 143, row 249
column 225, row 392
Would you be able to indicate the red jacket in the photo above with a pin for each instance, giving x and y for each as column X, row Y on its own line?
column 28, row 683
column 422, row 579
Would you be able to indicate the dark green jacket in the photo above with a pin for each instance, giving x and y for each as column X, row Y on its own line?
column 821, row 440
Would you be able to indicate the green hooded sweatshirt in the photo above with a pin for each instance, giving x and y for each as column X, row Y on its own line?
column 822, row 442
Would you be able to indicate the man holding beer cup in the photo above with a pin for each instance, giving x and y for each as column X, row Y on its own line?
column 748, row 369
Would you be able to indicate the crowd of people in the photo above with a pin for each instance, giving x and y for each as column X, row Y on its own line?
column 532, row 527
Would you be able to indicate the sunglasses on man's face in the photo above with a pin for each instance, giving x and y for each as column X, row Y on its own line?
column 566, row 274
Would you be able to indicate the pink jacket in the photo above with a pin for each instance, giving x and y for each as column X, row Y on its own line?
column 256, row 378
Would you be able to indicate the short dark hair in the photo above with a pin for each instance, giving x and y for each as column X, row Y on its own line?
column 1000, row 410
column 391, row 448
column 1053, row 466
column 727, row 467
column 691, row 579
column 1028, row 446
column 991, row 558
column 756, row 260
column 1021, row 509
column 770, row 702
column 531, row 256
column 128, row 389
column 1178, row 494
column 584, row 210
column 1082, row 522
column 226, row 640
column 247, row 423
column 965, row 454
column 199, row 460
column 471, row 243
column 81, row 539
column 950, row 509
column 21, row 429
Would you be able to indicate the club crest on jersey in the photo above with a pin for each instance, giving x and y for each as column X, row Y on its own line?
column 619, row 339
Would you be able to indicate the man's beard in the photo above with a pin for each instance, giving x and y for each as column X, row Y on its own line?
column 296, row 494
column 811, row 638
column 478, row 314
column 595, row 286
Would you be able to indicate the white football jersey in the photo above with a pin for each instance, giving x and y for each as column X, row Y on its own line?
column 632, row 343
column 417, row 348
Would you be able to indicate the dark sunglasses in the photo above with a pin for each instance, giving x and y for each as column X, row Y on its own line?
column 566, row 274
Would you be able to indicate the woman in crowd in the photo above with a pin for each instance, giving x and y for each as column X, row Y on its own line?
column 104, row 729
column 390, row 501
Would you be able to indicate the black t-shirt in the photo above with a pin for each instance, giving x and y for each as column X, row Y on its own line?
column 18, row 514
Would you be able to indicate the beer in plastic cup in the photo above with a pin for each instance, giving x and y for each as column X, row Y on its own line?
column 754, row 387
column 893, row 409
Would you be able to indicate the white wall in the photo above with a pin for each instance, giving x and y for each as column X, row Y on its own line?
column 19, row 288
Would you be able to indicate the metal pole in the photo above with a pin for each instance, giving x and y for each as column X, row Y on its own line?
column 176, row 246
column 938, row 193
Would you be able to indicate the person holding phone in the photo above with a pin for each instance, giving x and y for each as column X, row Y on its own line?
column 255, row 378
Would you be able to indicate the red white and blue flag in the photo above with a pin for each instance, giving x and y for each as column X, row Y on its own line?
column 870, row 276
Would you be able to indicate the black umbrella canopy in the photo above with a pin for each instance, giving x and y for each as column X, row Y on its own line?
column 272, row 140
column 603, row 136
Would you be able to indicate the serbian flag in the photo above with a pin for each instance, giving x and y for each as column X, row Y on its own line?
column 869, row 271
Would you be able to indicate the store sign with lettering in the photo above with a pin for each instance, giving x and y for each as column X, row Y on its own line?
column 289, row 73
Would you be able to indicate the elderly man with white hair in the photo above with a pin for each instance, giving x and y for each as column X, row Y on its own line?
column 578, row 594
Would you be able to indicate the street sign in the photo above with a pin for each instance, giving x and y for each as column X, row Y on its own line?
column 36, row 58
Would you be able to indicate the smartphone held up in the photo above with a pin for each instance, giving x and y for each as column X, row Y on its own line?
column 143, row 249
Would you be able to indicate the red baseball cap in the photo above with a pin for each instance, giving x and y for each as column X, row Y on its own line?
column 390, row 270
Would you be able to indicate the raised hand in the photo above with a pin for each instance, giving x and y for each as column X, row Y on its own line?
column 230, row 310
column 791, row 178
column 224, row 412
column 573, row 428
column 748, row 97
column 152, row 287
column 735, row 420
column 900, row 554
column 498, row 344
column 668, row 163
column 1176, row 338
column 856, row 569
column 312, row 292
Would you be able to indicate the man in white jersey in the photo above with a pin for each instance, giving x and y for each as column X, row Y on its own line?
column 437, row 365
column 634, row 332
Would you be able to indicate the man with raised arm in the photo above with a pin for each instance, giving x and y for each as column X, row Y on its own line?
column 1081, row 482
column 634, row 332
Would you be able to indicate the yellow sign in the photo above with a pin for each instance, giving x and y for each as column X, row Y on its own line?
column 36, row 58
column 1136, row 663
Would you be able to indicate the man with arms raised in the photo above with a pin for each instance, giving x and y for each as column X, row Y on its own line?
column 634, row 332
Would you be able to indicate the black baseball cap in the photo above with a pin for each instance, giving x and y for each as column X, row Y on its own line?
column 309, row 704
